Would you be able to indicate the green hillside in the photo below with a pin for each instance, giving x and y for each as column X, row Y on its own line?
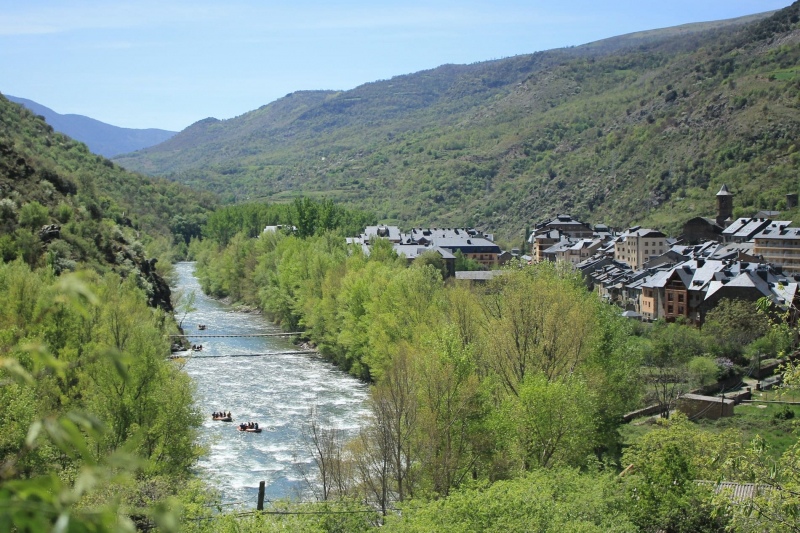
column 643, row 127
column 97, row 214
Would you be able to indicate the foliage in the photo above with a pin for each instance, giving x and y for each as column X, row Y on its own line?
column 662, row 480
column 544, row 500
column 776, row 504
column 96, row 413
column 308, row 216
column 703, row 370
column 555, row 421
column 463, row 263
column 733, row 324
column 666, row 369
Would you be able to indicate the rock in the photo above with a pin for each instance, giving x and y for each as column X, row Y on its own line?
column 50, row 232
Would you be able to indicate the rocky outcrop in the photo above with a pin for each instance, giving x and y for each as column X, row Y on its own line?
column 159, row 296
column 50, row 232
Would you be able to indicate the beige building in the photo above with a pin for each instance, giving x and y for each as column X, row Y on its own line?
column 636, row 246
column 780, row 245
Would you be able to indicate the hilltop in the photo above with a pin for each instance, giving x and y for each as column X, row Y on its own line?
column 101, row 138
column 643, row 127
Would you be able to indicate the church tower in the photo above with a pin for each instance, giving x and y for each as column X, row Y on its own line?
column 724, row 206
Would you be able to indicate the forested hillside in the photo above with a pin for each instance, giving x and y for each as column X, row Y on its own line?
column 69, row 208
column 98, row 427
column 639, row 128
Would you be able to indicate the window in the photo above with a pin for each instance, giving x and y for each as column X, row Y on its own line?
column 669, row 309
column 680, row 297
column 680, row 309
column 669, row 297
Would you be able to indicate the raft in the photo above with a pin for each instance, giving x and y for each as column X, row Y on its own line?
column 250, row 430
column 222, row 418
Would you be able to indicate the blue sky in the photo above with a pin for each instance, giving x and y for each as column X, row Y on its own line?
column 167, row 64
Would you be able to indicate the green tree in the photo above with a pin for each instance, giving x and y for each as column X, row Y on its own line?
column 777, row 500
column 662, row 478
column 733, row 324
column 540, row 320
column 543, row 500
column 666, row 370
column 463, row 263
column 33, row 215
column 556, row 421
column 434, row 259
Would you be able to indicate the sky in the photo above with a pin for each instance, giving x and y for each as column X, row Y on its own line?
column 167, row 64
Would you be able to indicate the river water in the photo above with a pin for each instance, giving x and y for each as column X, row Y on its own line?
column 277, row 391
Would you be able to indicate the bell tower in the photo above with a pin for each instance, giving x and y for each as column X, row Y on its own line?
column 724, row 206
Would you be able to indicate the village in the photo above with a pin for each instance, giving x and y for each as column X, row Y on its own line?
column 648, row 274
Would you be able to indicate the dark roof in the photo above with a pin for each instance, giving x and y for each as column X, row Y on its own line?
column 724, row 191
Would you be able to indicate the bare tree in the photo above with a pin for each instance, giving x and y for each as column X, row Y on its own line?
column 327, row 448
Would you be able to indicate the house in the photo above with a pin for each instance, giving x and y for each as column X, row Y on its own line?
column 472, row 243
column 478, row 276
column 692, row 288
column 744, row 229
column 412, row 251
column 779, row 244
column 392, row 233
column 572, row 251
column 554, row 230
column 637, row 245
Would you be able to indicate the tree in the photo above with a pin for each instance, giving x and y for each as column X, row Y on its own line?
column 775, row 506
column 448, row 394
column 733, row 324
column 33, row 215
column 666, row 370
column 661, row 481
column 327, row 447
column 556, row 421
column 540, row 319
column 560, row 499
column 463, row 263
column 395, row 408
column 434, row 259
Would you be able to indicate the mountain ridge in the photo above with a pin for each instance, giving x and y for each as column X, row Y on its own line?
column 101, row 138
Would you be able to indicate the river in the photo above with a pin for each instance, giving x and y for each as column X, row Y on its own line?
column 277, row 391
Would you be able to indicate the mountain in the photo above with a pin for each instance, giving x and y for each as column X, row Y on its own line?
column 644, row 127
column 101, row 138
column 64, row 207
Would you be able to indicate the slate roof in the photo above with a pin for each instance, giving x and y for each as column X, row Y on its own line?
column 412, row 251
column 743, row 229
column 779, row 230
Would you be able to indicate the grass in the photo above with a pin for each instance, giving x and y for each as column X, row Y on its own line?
column 785, row 74
column 749, row 419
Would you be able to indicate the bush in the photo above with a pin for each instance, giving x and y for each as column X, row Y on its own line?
column 33, row 215
column 786, row 413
